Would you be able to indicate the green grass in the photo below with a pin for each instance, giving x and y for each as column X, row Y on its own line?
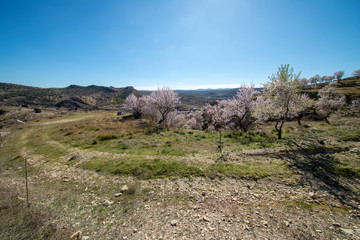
column 349, row 135
column 152, row 152
column 144, row 168
column 20, row 222
column 250, row 170
column 160, row 168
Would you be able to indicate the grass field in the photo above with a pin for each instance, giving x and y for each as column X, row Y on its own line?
column 303, row 186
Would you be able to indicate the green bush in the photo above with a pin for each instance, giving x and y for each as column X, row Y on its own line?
column 107, row 137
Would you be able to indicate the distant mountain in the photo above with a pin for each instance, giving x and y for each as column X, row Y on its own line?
column 213, row 94
column 98, row 97
column 72, row 97
column 76, row 97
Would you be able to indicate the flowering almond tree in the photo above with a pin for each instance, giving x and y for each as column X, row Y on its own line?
column 133, row 104
column 283, row 100
column 338, row 75
column 196, row 120
column 330, row 101
column 305, row 105
column 356, row 73
column 218, row 119
column 240, row 109
column 162, row 102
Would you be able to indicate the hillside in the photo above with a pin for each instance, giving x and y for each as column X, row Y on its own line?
column 350, row 87
column 76, row 97
column 213, row 94
column 94, row 175
column 94, row 97
column 72, row 97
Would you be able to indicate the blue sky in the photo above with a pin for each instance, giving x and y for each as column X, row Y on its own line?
column 183, row 44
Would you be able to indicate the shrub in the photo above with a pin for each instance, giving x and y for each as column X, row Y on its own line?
column 107, row 137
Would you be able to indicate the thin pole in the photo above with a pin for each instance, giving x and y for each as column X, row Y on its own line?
column 26, row 183
column 220, row 144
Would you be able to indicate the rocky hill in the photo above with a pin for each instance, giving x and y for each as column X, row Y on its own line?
column 350, row 87
column 72, row 97
column 212, row 94
column 92, row 97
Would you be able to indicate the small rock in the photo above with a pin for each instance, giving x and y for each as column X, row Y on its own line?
column 264, row 223
column 85, row 238
column 195, row 207
column 21, row 199
column 124, row 189
column 107, row 202
column 287, row 223
column 312, row 195
column 117, row 194
column 348, row 231
column 203, row 194
column 173, row 223
column 205, row 219
column 135, row 230
column 337, row 225
column 76, row 236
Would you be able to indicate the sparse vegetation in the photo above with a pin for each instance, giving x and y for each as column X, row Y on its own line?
column 171, row 166
column 107, row 175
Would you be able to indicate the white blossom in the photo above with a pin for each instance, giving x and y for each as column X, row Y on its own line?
column 330, row 101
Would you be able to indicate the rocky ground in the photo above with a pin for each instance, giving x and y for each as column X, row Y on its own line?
column 95, row 205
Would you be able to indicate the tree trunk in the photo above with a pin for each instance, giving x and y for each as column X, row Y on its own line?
column 326, row 120
column 299, row 118
column 279, row 130
column 279, row 134
column 162, row 120
column 299, row 121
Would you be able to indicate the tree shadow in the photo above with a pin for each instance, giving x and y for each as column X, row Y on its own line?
column 326, row 170
column 322, row 172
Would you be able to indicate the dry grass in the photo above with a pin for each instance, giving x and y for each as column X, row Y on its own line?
column 21, row 222
column 74, row 174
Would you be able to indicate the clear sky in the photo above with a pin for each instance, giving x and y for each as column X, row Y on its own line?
column 183, row 44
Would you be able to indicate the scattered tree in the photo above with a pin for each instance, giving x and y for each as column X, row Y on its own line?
column 284, row 101
column 338, row 75
column 304, row 81
column 218, row 120
column 327, row 78
column 240, row 109
column 305, row 105
column 133, row 104
column 329, row 102
column 176, row 119
column 315, row 79
column 162, row 102
column 196, row 120
column 356, row 73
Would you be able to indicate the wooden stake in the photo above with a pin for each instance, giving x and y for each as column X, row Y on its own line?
column 26, row 183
